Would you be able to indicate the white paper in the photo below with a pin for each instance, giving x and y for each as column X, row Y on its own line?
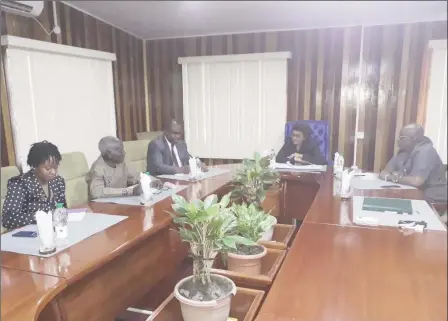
column 186, row 177
column 169, row 185
column 372, row 181
column 321, row 168
column 421, row 212
column 338, row 164
column 76, row 217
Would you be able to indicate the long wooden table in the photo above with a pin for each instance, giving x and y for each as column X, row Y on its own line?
column 334, row 270
column 25, row 294
column 103, row 275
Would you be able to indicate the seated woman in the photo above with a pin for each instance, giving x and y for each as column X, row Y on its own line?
column 301, row 148
column 38, row 189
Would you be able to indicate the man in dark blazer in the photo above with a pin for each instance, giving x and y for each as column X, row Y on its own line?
column 168, row 154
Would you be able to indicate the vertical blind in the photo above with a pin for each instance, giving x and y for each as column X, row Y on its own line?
column 234, row 105
column 436, row 110
column 59, row 93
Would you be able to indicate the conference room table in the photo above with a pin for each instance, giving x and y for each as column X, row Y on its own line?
column 337, row 270
column 104, row 274
column 334, row 269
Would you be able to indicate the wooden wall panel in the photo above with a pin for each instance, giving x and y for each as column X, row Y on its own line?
column 7, row 144
column 81, row 30
column 323, row 62
column 326, row 79
column 393, row 57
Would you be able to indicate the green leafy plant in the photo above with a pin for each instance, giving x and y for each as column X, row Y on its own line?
column 253, row 180
column 209, row 227
column 251, row 222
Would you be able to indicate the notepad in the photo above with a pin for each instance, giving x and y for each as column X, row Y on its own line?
column 394, row 205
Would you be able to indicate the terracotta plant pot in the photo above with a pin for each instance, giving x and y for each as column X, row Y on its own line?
column 246, row 264
column 216, row 310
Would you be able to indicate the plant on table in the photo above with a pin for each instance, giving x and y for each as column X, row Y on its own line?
column 251, row 223
column 251, row 182
column 209, row 227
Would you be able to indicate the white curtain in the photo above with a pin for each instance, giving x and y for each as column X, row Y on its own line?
column 59, row 93
column 234, row 105
column 436, row 109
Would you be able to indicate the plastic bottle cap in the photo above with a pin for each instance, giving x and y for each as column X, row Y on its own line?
column 59, row 205
column 147, row 173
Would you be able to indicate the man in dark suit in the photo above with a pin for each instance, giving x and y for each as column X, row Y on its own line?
column 168, row 154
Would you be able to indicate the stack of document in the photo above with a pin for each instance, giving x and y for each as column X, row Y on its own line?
column 303, row 168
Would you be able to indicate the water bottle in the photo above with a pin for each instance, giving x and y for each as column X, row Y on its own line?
column 272, row 158
column 149, row 177
column 199, row 168
column 338, row 165
column 60, row 216
column 341, row 163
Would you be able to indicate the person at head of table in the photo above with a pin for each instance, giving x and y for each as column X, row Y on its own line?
column 110, row 176
column 417, row 164
column 39, row 189
column 301, row 148
column 168, row 153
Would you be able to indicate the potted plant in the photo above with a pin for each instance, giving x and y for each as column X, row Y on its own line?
column 253, row 180
column 251, row 223
column 209, row 227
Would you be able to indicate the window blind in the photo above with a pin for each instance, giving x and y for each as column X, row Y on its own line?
column 235, row 104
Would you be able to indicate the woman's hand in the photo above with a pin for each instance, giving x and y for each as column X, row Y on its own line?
column 298, row 157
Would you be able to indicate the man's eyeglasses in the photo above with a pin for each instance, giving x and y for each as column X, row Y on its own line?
column 403, row 137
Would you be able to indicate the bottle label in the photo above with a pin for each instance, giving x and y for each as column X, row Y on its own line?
column 62, row 232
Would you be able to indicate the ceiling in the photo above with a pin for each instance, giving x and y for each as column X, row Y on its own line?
column 171, row 19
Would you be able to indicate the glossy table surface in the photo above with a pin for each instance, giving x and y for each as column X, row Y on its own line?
column 329, row 209
column 24, row 294
column 78, row 260
column 351, row 274
column 336, row 270
column 30, row 282
column 81, row 258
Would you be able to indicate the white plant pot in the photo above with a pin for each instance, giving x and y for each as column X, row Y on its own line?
column 267, row 236
column 217, row 310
